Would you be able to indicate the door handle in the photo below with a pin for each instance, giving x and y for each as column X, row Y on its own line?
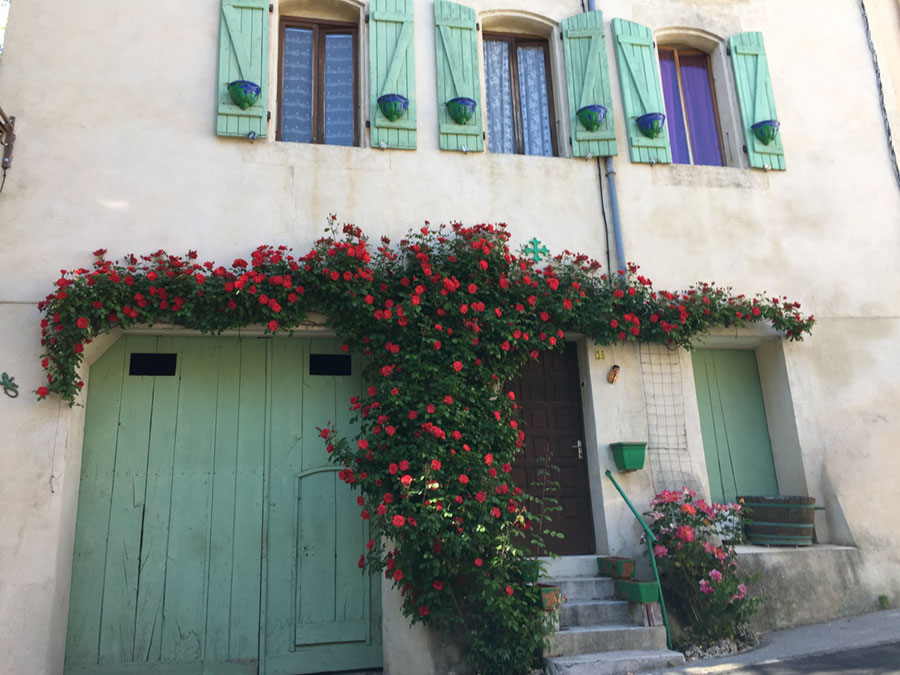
column 580, row 449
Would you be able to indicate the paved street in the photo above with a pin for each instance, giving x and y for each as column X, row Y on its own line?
column 861, row 645
column 878, row 660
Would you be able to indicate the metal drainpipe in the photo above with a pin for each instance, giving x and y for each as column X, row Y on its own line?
column 613, row 197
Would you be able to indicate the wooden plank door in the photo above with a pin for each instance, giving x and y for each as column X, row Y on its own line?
column 321, row 612
column 733, row 423
column 549, row 396
column 165, row 576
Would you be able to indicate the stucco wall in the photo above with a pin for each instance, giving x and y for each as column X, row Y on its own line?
column 116, row 148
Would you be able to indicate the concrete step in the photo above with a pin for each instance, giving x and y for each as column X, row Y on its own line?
column 594, row 639
column 613, row 663
column 597, row 612
column 586, row 588
column 570, row 566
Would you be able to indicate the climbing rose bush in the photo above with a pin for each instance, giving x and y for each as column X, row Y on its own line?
column 698, row 566
column 446, row 317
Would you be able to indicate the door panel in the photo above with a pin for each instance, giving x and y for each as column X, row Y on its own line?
column 169, row 557
column 733, row 423
column 319, row 607
column 548, row 393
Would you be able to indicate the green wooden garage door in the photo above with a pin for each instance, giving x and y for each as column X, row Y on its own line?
column 212, row 535
column 733, row 424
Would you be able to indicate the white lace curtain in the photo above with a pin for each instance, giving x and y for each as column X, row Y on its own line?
column 532, row 81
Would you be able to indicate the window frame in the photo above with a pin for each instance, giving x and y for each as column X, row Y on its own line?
column 320, row 28
column 514, row 40
column 678, row 48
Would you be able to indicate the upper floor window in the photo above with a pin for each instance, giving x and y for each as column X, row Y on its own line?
column 317, row 82
column 693, row 119
column 519, row 96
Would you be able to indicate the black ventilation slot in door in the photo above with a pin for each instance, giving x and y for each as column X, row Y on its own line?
column 152, row 364
column 329, row 364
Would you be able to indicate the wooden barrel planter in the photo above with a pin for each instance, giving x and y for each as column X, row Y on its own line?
column 780, row 521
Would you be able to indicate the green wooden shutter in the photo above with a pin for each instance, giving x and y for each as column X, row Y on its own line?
column 243, row 55
column 457, row 74
column 392, row 69
column 754, row 88
column 587, row 82
column 641, row 89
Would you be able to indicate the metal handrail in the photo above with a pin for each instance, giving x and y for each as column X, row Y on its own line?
column 651, row 539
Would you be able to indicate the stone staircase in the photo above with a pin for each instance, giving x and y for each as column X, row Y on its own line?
column 598, row 634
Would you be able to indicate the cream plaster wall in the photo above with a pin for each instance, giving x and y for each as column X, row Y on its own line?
column 116, row 148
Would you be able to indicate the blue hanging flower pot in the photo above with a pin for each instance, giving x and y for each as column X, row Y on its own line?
column 651, row 124
column 591, row 116
column 766, row 131
column 461, row 109
column 244, row 93
column 393, row 106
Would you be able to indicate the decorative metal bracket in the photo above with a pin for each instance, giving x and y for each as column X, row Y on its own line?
column 7, row 138
column 10, row 388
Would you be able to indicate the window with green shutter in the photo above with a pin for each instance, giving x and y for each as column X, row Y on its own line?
column 243, row 55
column 392, row 71
column 754, row 88
column 456, row 47
column 587, row 83
column 641, row 90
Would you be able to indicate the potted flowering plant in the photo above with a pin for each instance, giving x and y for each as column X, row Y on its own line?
column 698, row 565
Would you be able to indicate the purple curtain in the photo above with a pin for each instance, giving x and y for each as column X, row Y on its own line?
column 701, row 113
column 674, row 113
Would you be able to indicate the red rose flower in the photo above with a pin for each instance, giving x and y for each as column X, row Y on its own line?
column 82, row 322
column 399, row 521
column 457, row 366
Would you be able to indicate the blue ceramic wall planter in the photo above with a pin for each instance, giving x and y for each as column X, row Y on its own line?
column 461, row 109
column 766, row 131
column 651, row 124
column 393, row 106
column 244, row 93
column 591, row 116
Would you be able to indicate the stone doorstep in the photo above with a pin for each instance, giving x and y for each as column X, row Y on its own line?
column 586, row 588
column 608, row 638
column 613, row 663
column 598, row 612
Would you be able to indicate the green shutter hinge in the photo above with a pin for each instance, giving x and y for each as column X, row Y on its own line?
column 271, row 8
column 477, row 26
column 728, row 50
column 367, row 17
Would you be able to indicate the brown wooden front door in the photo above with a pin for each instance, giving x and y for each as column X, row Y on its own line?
column 548, row 392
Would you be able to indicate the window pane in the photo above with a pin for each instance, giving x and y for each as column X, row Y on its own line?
column 339, row 87
column 701, row 113
column 501, row 137
column 674, row 112
column 535, row 106
column 296, row 96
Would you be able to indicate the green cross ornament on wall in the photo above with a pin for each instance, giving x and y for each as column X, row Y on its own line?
column 535, row 250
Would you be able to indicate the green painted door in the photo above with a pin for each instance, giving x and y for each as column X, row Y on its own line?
column 171, row 574
column 733, row 424
column 321, row 613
